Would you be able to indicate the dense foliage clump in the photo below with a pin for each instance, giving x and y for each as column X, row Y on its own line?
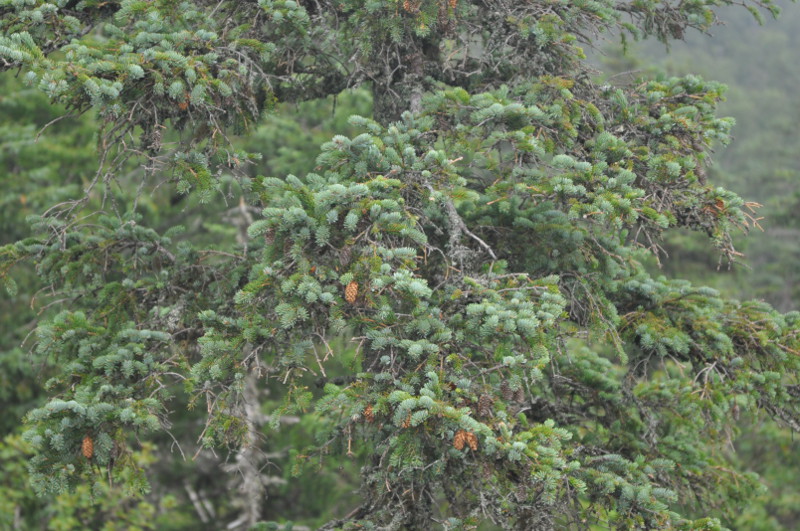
column 455, row 295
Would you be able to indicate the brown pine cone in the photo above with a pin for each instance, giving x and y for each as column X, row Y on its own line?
column 87, row 447
column 351, row 292
column 472, row 441
column 506, row 391
column 345, row 254
column 519, row 395
column 485, row 403
column 460, row 439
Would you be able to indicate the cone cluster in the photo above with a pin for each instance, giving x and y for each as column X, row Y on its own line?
column 465, row 438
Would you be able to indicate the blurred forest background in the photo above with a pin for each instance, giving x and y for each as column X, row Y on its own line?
column 760, row 66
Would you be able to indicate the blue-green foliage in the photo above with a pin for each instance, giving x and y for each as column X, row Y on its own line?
column 478, row 249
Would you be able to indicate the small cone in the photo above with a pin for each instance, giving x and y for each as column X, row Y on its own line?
column 460, row 440
column 506, row 391
column 472, row 441
column 351, row 292
column 344, row 255
column 87, row 447
column 519, row 395
column 485, row 405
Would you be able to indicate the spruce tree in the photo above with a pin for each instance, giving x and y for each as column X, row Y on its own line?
column 454, row 295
